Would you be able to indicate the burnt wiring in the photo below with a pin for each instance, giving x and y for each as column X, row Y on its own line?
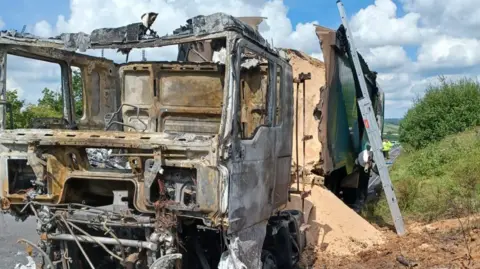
column 112, row 234
column 96, row 241
column 76, row 241
column 45, row 256
column 48, row 219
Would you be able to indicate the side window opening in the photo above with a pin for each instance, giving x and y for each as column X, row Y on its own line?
column 255, row 93
column 279, row 95
column 33, row 99
column 77, row 91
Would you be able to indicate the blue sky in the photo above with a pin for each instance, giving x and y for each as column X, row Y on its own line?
column 409, row 42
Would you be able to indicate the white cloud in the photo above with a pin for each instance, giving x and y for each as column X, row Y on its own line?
column 29, row 77
column 2, row 24
column 456, row 18
column 442, row 34
column 43, row 28
column 449, row 52
column 278, row 27
column 386, row 57
column 12, row 84
column 378, row 25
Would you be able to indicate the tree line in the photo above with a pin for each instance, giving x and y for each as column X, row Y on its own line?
column 50, row 105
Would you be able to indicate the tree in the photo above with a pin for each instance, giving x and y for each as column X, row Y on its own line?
column 51, row 99
column 449, row 108
column 50, row 105
column 77, row 86
column 15, row 109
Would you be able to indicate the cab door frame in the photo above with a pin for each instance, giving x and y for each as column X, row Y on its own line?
column 253, row 168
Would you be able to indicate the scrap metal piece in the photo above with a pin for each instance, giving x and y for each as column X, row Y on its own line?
column 104, row 240
column 120, row 201
column 38, row 165
column 153, row 167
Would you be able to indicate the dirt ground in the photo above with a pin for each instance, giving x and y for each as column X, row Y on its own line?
column 448, row 244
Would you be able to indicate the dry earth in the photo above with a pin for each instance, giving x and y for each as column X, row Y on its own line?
column 449, row 244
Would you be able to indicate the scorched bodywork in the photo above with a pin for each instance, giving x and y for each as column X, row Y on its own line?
column 186, row 160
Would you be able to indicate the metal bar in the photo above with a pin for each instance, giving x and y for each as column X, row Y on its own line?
column 133, row 155
column 371, row 127
column 296, row 139
column 303, row 144
column 113, row 224
column 105, row 240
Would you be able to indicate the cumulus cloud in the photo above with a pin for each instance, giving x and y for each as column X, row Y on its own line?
column 378, row 25
column 43, row 28
column 386, row 57
column 443, row 34
column 29, row 77
column 455, row 18
column 446, row 51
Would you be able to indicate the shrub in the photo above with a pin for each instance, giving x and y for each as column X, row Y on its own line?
column 439, row 181
column 448, row 108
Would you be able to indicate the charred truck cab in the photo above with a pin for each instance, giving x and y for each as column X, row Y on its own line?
column 182, row 164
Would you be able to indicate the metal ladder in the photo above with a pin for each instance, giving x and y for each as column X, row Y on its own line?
column 372, row 129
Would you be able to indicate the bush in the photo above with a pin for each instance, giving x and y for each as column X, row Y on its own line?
column 439, row 181
column 449, row 108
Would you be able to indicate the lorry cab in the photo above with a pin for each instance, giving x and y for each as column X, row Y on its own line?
column 194, row 154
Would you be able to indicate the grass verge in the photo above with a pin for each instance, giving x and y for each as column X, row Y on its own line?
column 439, row 181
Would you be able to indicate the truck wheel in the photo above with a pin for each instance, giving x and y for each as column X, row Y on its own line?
column 268, row 260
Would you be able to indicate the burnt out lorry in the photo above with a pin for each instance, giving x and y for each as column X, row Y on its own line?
column 201, row 150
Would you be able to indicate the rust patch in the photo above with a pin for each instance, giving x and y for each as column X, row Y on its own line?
column 5, row 204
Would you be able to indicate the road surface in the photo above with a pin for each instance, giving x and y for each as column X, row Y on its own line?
column 12, row 253
column 375, row 179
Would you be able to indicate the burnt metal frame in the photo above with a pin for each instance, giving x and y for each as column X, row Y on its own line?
column 271, row 93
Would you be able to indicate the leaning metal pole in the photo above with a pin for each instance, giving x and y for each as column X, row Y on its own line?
column 372, row 128
column 296, row 139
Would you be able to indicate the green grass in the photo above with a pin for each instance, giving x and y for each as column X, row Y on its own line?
column 439, row 181
column 388, row 127
column 390, row 131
